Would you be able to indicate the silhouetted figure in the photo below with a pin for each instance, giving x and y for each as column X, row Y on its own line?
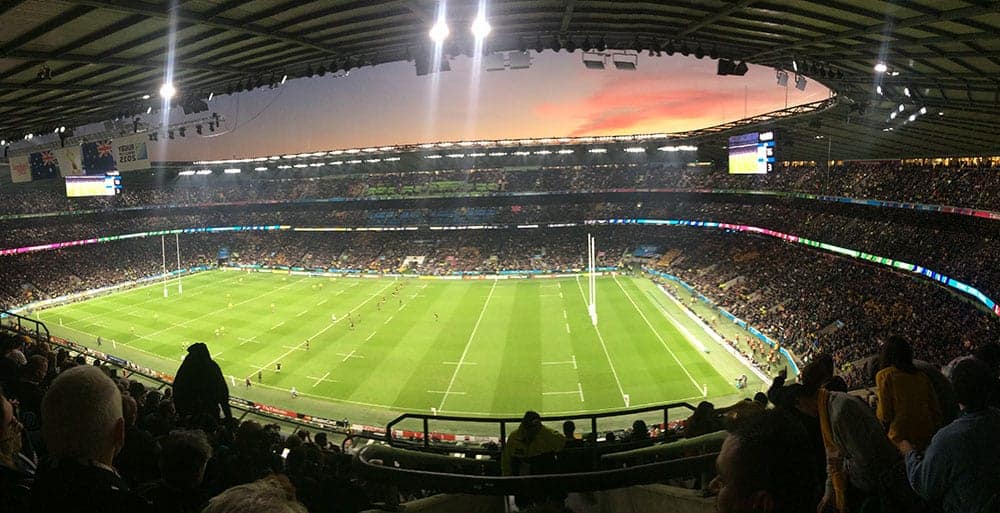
column 199, row 388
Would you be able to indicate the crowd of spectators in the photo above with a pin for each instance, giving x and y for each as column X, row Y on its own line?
column 807, row 300
column 956, row 183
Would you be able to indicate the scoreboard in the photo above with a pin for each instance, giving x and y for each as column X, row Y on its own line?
column 93, row 185
column 751, row 154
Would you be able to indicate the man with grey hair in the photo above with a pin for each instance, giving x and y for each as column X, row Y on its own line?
column 272, row 494
column 83, row 429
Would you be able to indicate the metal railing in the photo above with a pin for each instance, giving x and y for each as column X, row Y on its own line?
column 19, row 324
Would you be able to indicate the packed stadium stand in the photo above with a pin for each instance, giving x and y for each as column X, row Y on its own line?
column 837, row 310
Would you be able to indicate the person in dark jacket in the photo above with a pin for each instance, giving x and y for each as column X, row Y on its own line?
column 199, row 387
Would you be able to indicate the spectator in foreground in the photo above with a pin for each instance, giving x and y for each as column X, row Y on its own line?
column 858, row 454
column 83, row 429
column 272, row 494
column 15, row 485
column 960, row 465
column 199, row 388
column 908, row 407
column 183, row 458
column 531, row 447
column 762, row 467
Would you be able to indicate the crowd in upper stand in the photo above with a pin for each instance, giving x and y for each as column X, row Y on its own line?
column 955, row 184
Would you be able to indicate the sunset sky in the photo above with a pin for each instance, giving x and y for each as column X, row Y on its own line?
column 557, row 96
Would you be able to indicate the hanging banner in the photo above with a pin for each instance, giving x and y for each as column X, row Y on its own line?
column 131, row 153
column 20, row 169
column 70, row 160
column 44, row 165
column 98, row 157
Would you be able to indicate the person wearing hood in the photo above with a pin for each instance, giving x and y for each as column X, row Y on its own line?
column 200, row 390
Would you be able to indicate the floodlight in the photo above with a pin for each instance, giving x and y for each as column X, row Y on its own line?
column 439, row 32
column 480, row 27
column 782, row 77
column 167, row 91
column 800, row 82
column 881, row 67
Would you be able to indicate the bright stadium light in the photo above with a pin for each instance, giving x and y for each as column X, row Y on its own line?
column 923, row 110
column 284, row 78
column 186, row 172
column 145, row 97
column 439, row 32
column 204, row 172
column 635, row 149
column 892, row 115
column 260, row 168
column 881, row 67
column 211, row 95
column 902, row 107
column 912, row 117
column 232, row 171
column 906, row 91
column 878, row 89
column 149, row 109
column 480, row 27
column 598, row 150
column 167, row 91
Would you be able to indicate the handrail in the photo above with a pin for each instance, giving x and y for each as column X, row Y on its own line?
column 427, row 434
column 39, row 325
column 375, row 469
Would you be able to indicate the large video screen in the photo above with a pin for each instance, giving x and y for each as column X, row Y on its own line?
column 93, row 185
column 751, row 154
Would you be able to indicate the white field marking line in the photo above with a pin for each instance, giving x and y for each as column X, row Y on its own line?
column 320, row 380
column 446, row 393
column 573, row 357
column 295, row 348
column 303, row 312
column 567, row 362
column 603, row 345
column 387, row 320
column 579, row 387
column 157, row 298
column 402, row 306
column 567, row 327
column 248, row 340
column 708, row 331
column 560, row 294
column 459, row 363
column 339, row 292
column 470, row 413
column 564, row 314
column 468, row 344
column 658, row 337
column 322, row 331
column 280, row 324
column 574, row 392
column 134, row 348
column 370, row 337
column 213, row 312
column 350, row 355
column 322, row 302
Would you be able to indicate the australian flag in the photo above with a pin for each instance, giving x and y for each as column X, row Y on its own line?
column 98, row 157
column 44, row 165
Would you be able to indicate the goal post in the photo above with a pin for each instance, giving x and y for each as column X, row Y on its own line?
column 592, row 278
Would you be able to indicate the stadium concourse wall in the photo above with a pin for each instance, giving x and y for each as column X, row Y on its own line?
column 921, row 207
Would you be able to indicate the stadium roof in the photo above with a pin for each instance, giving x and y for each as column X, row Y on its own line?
column 78, row 61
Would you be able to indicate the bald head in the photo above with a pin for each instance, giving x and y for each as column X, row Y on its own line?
column 82, row 416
